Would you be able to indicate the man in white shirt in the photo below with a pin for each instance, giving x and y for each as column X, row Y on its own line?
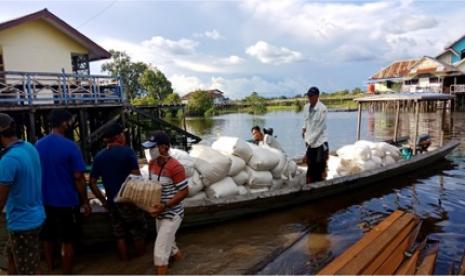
column 314, row 134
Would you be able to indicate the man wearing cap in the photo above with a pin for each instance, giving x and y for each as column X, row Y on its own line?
column 170, row 212
column 64, row 189
column 314, row 134
column 114, row 164
column 21, row 190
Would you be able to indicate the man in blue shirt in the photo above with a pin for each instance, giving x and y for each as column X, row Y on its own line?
column 113, row 164
column 64, row 189
column 21, row 189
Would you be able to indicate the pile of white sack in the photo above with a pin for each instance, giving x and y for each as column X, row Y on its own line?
column 232, row 166
column 361, row 156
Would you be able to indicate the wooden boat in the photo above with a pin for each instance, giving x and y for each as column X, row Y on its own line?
column 97, row 226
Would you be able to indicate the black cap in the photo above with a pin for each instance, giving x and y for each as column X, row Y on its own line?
column 5, row 120
column 313, row 91
column 113, row 130
column 157, row 138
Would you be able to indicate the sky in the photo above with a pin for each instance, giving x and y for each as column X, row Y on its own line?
column 272, row 47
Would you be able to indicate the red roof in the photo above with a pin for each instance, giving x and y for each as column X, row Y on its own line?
column 397, row 69
column 96, row 52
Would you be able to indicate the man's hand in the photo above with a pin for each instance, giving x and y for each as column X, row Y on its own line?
column 303, row 132
column 156, row 209
column 87, row 209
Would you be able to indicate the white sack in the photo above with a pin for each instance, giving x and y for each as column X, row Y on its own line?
column 263, row 159
column 259, row 178
column 233, row 146
column 388, row 160
column 364, row 143
column 292, row 168
column 241, row 178
column 222, row 188
column 379, row 161
column 389, row 149
column 333, row 163
column 355, row 152
column 195, row 184
column 185, row 160
column 258, row 190
column 211, row 164
column 237, row 165
column 276, row 184
column 144, row 171
column 367, row 165
column 278, row 170
column 199, row 196
column 243, row 190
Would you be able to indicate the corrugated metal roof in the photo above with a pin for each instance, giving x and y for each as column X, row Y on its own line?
column 419, row 96
column 397, row 69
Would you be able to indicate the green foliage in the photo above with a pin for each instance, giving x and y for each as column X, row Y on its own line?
column 199, row 103
column 298, row 105
column 155, row 84
column 146, row 100
column 357, row 90
column 211, row 112
column 172, row 98
column 122, row 66
column 256, row 103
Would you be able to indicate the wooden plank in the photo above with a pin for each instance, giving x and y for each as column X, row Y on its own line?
column 345, row 257
column 409, row 265
column 396, row 250
column 365, row 257
column 427, row 265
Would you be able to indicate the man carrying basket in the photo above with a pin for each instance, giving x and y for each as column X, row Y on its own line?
column 170, row 212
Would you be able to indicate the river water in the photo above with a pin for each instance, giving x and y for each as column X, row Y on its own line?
column 436, row 194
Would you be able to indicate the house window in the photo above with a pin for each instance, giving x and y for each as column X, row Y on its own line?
column 2, row 68
column 389, row 84
column 80, row 64
column 433, row 80
column 462, row 54
column 411, row 82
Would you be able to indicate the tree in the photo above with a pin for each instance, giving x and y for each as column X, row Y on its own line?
column 199, row 102
column 357, row 90
column 129, row 72
column 155, row 83
column 256, row 103
column 172, row 98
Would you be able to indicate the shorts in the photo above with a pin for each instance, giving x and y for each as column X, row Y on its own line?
column 61, row 225
column 127, row 218
column 165, row 244
column 24, row 248
column 316, row 162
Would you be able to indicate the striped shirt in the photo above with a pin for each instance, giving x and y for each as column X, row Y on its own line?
column 173, row 179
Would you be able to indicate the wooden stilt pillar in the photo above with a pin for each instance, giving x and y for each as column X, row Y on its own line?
column 84, row 135
column 359, row 120
column 396, row 127
column 32, row 136
column 415, row 135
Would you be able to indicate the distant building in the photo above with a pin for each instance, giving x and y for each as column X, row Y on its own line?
column 443, row 74
column 215, row 94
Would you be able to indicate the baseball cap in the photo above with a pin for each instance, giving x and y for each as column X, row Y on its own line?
column 112, row 130
column 5, row 120
column 157, row 138
column 313, row 91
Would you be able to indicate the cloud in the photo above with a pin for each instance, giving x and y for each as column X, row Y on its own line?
column 231, row 60
column 270, row 54
column 236, row 88
column 377, row 27
column 176, row 47
column 213, row 35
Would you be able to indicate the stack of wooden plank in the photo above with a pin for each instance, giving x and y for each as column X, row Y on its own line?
column 388, row 248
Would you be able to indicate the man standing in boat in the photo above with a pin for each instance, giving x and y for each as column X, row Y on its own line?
column 170, row 212
column 64, row 189
column 314, row 134
column 113, row 164
column 21, row 190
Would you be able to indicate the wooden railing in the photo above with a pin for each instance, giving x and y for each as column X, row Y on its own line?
column 34, row 88
column 457, row 88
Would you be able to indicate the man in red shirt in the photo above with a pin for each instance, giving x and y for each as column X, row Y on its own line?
column 170, row 212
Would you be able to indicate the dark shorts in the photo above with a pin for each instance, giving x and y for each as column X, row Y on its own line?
column 316, row 162
column 61, row 225
column 127, row 219
column 24, row 248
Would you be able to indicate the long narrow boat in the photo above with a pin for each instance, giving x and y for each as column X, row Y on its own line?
column 206, row 211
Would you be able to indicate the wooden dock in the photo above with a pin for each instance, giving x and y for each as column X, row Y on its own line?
column 389, row 248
